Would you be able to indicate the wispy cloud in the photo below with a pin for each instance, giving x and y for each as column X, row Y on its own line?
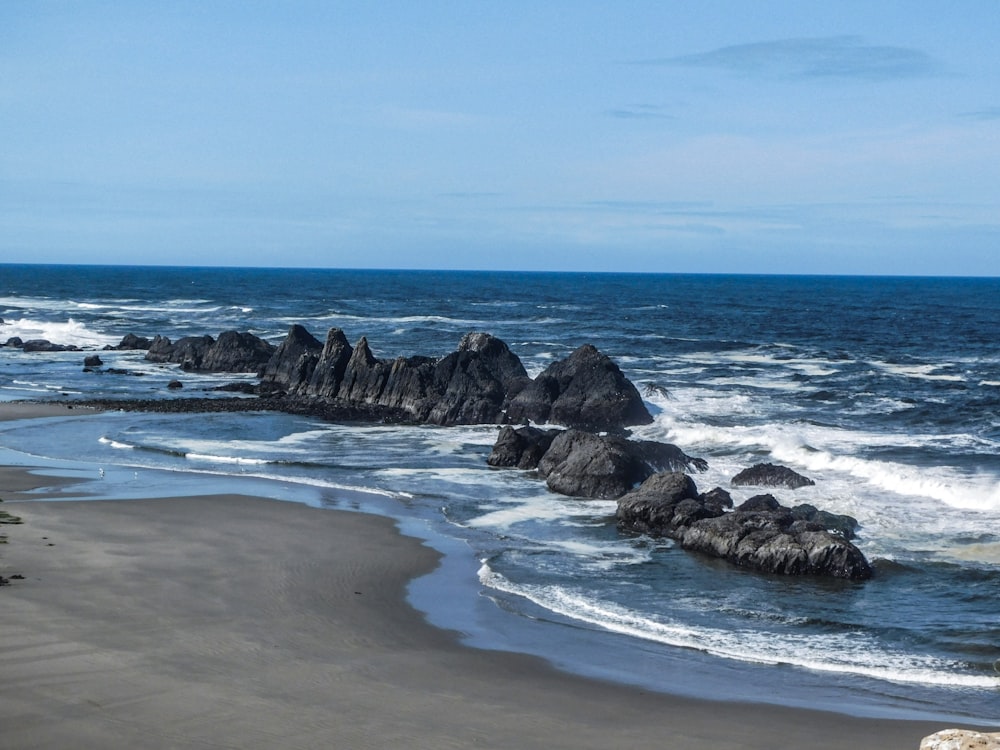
column 845, row 57
column 640, row 112
column 990, row 113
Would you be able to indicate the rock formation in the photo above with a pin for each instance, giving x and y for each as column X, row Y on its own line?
column 761, row 533
column 586, row 391
column 582, row 464
column 232, row 352
column 770, row 475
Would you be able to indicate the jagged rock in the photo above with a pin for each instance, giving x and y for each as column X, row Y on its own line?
column 760, row 534
column 329, row 369
column 232, row 352
column 92, row 361
column 582, row 464
column 293, row 362
column 770, row 475
column 476, row 382
column 520, row 448
column 961, row 739
column 469, row 386
column 585, row 391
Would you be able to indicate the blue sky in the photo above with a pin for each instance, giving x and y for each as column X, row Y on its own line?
column 749, row 137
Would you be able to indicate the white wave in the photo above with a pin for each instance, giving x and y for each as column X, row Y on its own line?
column 990, row 383
column 115, row 444
column 941, row 484
column 918, row 372
column 226, row 459
column 848, row 653
column 68, row 332
column 547, row 507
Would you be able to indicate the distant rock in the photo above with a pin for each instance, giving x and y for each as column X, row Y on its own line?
column 760, row 534
column 585, row 391
column 131, row 342
column 770, row 475
column 43, row 345
column 14, row 342
column 232, row 352
column 175, row 384
column 92, row 361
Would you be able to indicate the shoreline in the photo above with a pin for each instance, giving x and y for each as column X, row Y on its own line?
column 237, row 621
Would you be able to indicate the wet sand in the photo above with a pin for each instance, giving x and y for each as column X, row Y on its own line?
column 237, row 622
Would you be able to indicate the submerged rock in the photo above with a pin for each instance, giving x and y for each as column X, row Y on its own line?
column 770, row 475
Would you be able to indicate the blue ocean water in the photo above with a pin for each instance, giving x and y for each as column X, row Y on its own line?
column 885, row 391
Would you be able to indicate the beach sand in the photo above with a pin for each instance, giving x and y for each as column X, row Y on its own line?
column 239, row 622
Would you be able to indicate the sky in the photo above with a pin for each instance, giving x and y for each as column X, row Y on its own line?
column 712, row 137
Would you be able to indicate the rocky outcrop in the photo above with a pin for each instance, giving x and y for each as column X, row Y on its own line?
column 586, row 391
column 961, row 739
column 481, row 382
column 92, row 360
column 582, row 464
column 472, row 385
column 770, row 475
column 760, row 534
column 232, row 352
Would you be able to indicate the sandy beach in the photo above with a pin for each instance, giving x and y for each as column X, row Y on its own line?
column 237, row 622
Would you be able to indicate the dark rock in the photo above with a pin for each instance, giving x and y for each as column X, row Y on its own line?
column 760, row 534
column 188, row 352
column 521, row 448
column 174, row 384
column 92, row 361
column 838, row 522
column 469, row 386
column 476, row 382
column 292, row 364
column 772, row 542
column 584, row 391
column 43, row 345
column 582, row 464
column 131, row 342
column 328, row 372
column 14, row 342
column 655, row 506
column 759, row 502
column 232, row 352
column 770, row 475
column 237, row 352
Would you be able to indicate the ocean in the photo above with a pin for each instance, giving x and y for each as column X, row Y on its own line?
column 885, row 391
